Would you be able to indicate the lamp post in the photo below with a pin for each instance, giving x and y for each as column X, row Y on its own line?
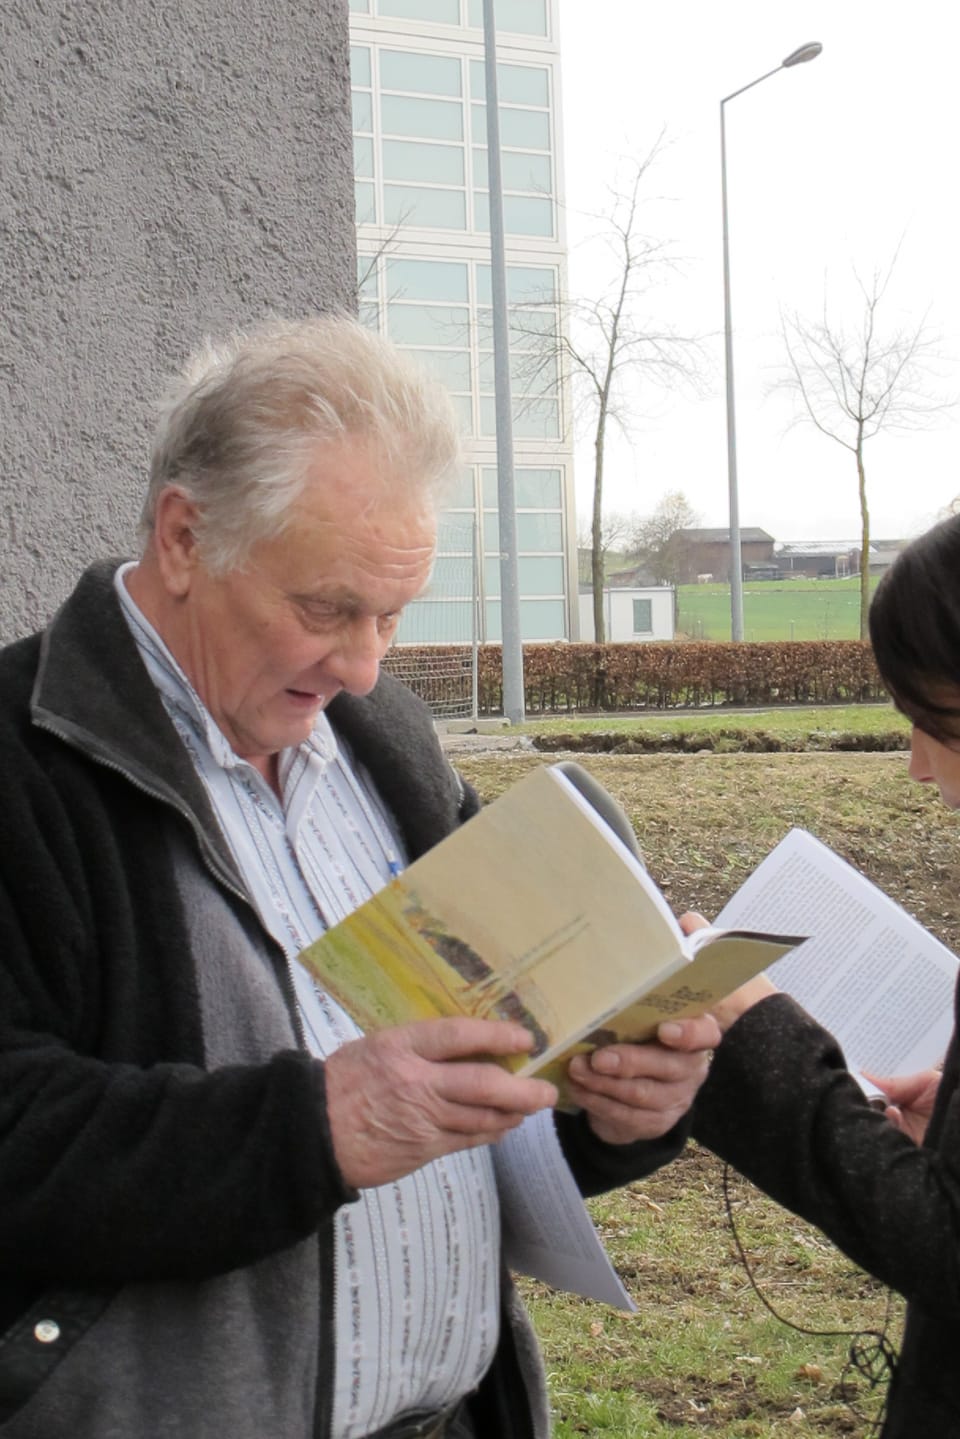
column 796, row 57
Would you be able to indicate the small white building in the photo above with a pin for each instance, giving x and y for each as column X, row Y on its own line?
column 631, row 613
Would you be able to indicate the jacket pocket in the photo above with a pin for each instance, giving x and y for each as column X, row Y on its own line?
column 34, row 1345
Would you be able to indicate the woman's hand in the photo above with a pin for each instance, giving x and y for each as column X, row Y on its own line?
column 910, row 1099
column 730, row 1009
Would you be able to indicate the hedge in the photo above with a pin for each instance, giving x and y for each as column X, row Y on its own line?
column 567, row 678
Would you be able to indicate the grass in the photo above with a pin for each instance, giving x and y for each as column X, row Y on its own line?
column 703, row 1355
column 772, row 610
column 791, row 725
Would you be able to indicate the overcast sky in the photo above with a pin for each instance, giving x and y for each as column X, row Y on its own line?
column 830, row 164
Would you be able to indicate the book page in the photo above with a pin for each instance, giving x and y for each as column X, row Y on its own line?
column 547, row 1232
column 869, row 973
column 719, row 962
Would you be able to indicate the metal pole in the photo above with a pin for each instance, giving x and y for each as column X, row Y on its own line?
column 512, row 647
column 736, row 564
column 800, row 56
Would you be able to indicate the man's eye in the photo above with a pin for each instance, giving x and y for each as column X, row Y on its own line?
column 389, row 621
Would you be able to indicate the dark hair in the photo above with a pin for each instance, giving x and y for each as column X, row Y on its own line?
column 915, row 631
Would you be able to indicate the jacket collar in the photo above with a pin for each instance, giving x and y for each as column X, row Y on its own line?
column 93, row 690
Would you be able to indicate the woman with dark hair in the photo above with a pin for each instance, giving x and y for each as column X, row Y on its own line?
column 779, row 1104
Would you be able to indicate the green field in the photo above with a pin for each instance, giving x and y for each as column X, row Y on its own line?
column 774, row 610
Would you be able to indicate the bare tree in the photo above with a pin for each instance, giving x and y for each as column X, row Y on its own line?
column 606, row 341
column 616, row 535
column 658, row 539
column 852, row 382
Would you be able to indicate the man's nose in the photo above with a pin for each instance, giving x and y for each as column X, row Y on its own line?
column 356, row 661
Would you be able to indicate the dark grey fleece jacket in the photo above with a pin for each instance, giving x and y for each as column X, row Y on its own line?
column 167, row 1181
column 780, row 1106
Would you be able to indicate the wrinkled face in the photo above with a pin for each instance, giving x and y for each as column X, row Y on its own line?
column 934, row 762
column 311, row 612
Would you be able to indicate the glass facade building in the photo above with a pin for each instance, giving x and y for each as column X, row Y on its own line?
column 420, row 144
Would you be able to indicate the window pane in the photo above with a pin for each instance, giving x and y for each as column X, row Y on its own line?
column 434, row 74
column 542, row 620
column 488, row 417
column 539, row 532
column 491, row 576
column 455, row 532
column 362, row 103
column 360, row 7
column 463, row 406
column 539, row 620
column 369, row 315
column 526, row 172
column 537, row 419
column 366, row 203
column 534, row 375
column 527, row 327
column 525, row 215
column 524, row 282
column 643, row 617
column 428, row 324
column 363, row 156
column 540, row 576
column 451, row 367
column 413, row 205
column 367, row 281
column 519, row 171
column 525, row 129
column 426, row 280
column 360, row 65
column 522, row 85
column 492, row 620
column 530, row 282
column 491, row 540
column 539, row 489
column 411, row 160
column 517, row 17
column 485, row 374
column 481, row 211
column 460, row 496
column 488, row 476
column 519, row 129
column 452, row 575
column 447, row 12
column 430, row 119
column 437, row 622
column 534, row 489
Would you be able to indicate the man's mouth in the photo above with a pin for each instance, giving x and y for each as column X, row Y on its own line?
column 307, row 697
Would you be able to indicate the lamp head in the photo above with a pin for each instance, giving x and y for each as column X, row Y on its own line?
column 801, row 55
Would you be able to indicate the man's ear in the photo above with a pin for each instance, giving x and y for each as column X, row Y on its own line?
column 175, row 539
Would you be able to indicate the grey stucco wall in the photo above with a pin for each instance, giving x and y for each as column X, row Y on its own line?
column 168, row 169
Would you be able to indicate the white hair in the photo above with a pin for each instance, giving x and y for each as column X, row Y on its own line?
column 240, row 429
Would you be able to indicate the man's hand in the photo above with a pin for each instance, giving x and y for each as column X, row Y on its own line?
column 910, row 1099
column 640, row 1091
column 401, row 1097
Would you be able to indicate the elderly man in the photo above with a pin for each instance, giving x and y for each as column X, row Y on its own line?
column 224, row 1213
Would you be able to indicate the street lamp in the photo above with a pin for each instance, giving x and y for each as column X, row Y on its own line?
column 796, row 57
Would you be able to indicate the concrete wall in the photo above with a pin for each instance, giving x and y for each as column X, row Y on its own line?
column 168, row 169
column 618, row 614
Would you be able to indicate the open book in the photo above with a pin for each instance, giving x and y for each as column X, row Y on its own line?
column 537, row 911
column 869, row 972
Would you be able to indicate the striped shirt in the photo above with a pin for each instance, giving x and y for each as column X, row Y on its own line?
column 416, row 1261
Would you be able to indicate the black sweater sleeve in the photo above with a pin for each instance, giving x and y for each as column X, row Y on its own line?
column 779, row 1105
